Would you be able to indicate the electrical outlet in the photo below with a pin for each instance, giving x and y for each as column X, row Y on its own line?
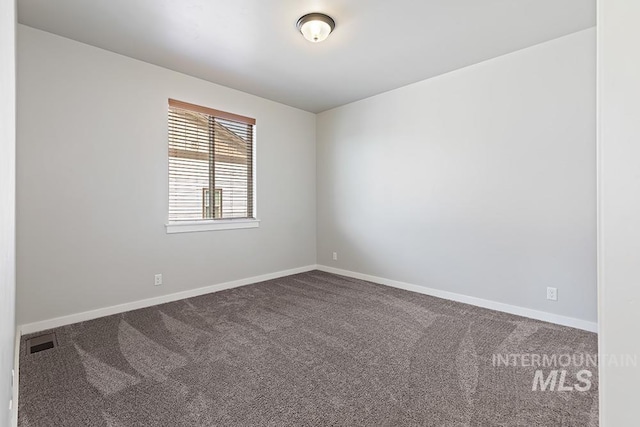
column 158, row 280
column 335, row 256
column 552, row 294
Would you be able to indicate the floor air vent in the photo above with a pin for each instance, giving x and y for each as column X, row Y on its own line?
column 42, row 342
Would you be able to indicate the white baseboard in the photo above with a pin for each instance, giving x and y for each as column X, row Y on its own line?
column 29, row 328
column 479, row 302
column 16, row 379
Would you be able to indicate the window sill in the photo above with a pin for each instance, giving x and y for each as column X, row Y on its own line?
column 219, row 224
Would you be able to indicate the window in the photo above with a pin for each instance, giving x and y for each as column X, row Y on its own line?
column 209, row 149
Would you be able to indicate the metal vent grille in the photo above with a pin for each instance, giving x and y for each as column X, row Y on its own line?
column 42, row 342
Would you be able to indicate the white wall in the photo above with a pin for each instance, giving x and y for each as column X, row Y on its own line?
column 619, row 206
column 7, row 203
column 479, row 182
column 93, row 184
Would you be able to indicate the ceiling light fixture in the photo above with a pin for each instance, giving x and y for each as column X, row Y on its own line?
column 316, row 27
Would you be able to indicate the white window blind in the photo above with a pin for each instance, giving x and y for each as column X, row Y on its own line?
column 210, row 164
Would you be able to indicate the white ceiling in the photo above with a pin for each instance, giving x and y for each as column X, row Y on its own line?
column 253, row 45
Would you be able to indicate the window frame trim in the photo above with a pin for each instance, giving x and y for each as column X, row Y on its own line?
column 211, row 225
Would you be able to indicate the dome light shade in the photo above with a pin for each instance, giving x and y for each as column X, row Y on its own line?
column 316, row 27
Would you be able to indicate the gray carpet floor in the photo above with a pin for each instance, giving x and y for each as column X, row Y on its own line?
column 311, row 349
